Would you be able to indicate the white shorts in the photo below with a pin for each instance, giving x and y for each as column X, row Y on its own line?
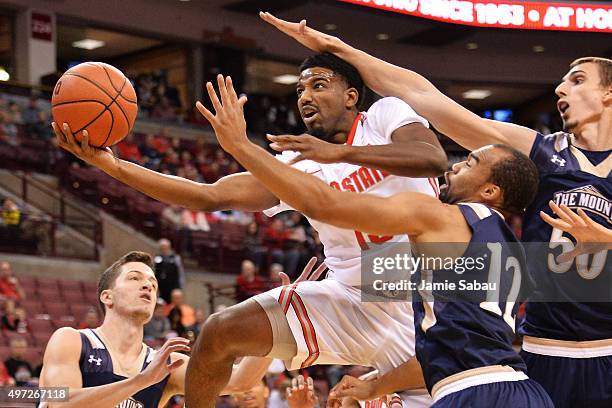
column 331, row 325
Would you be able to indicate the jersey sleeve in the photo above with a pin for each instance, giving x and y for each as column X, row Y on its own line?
column 388, row 114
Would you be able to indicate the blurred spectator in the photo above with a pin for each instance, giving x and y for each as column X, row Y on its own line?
column 195, row 220
column 14, row 113
column 159, row 325
column 174, row 215
column 186, row 312
column 295, row 244
column 11, row 214
column 151, row 156
column 14, row 319
column 274, row 239
column 128, row 149
column 161, row 142
column 33, row 119
column 168, row 270
column 256, row 397
column 255, row 251
column 9, row 285
column 163, row 110
column 175, row 318
column 195, row 328
column 17, row 366
column 248, row 283
column 274, row 275
column 5, row 377
column 8, row 130
column 91, row 320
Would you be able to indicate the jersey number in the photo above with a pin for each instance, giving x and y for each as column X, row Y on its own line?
column 491, row 304
column 582, row 261
column 374, row 239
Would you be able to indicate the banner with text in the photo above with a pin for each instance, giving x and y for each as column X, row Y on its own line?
column 530, row 15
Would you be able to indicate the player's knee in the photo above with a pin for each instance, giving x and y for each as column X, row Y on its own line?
column 219, row 332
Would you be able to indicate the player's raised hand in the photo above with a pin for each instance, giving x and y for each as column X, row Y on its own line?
column 306, row 273
column 228, row 120
column 308, row 147
column 590, row 236
column 94, row 156
column 160, row 366
column 308, row 37
column 351, row 387
column 301, row 394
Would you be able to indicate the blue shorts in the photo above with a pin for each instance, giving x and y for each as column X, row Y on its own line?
column 573, row 382
column 510, row 394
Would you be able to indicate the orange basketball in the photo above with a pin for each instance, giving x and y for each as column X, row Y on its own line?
column 97, row 97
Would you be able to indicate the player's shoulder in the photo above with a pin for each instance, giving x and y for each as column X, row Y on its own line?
column 388, row 102
column 64, row 342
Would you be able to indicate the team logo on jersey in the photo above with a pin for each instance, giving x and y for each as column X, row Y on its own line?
column 130, row 403
column 588, row 198
column 92, row 360
column 557, row 160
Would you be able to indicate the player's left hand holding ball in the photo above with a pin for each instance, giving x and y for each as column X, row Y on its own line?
column 228, row 121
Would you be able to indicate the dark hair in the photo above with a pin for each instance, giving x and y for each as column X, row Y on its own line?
column 109, row 276
column 604, row 65
column 518, row 178
column 339, row 66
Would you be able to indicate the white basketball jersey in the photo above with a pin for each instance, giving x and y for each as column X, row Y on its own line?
column 343, row 248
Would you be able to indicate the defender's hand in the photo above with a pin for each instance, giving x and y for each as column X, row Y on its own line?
column 301, row 394
column 94, row 156
column 308, row 147
column 159, row 367
column 308, row 37
column 305, row 275
column 228, row 121
column 590, row 236
column 351, row 387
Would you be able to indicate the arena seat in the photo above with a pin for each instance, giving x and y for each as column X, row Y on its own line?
column 65, row 321
column 56, row 310
column 32, row 306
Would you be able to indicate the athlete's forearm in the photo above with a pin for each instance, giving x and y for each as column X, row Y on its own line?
column 416, row 159
column 102, row 396
column 165, row 188
column 408, row 376
column 247, row 374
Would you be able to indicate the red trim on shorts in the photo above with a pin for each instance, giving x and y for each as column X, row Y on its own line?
column 433, row 183
column 286, row 301
column 308, row 330
column 351, row 136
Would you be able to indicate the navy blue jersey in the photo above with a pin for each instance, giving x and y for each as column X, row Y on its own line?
column 578, row 179
column 97, row 369
column 465, row 330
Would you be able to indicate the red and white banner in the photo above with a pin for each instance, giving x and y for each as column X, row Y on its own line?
column 529, row 15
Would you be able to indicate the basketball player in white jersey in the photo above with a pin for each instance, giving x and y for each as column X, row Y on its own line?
column 313, row 322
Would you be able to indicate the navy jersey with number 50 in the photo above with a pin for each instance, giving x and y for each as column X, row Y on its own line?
column 578, row 179
column 459, row 330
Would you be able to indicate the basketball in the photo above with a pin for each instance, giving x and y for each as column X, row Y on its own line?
column 96, row 97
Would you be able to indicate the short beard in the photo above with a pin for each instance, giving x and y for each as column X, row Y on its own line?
column 320, row 133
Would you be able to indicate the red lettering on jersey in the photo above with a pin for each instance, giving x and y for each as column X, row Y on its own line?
column 376, row 175
column 335, row 185
column 365, row 177
column 356, row 181
column 347, row 186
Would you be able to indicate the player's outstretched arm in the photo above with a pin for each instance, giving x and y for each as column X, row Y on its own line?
column 403, row 213
column 61, row 369
column 414, row 152
column 447, row 116
column 407, row 376
column 590, row 236
column 238, row 191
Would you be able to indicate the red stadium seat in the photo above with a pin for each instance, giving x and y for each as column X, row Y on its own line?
column 5, row 353
column 70, row 285
column 89, row 287
column 65, row 321
column 46, row 283
column 79, row 310
column 49, row 294
column 32, row 306
column 41, row 339
column 28, row 282
column 73, row 297
column 56, row 310
column 40, row 325
column 33, row 355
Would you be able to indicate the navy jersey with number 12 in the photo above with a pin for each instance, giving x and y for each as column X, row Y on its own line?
column 464, row 330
